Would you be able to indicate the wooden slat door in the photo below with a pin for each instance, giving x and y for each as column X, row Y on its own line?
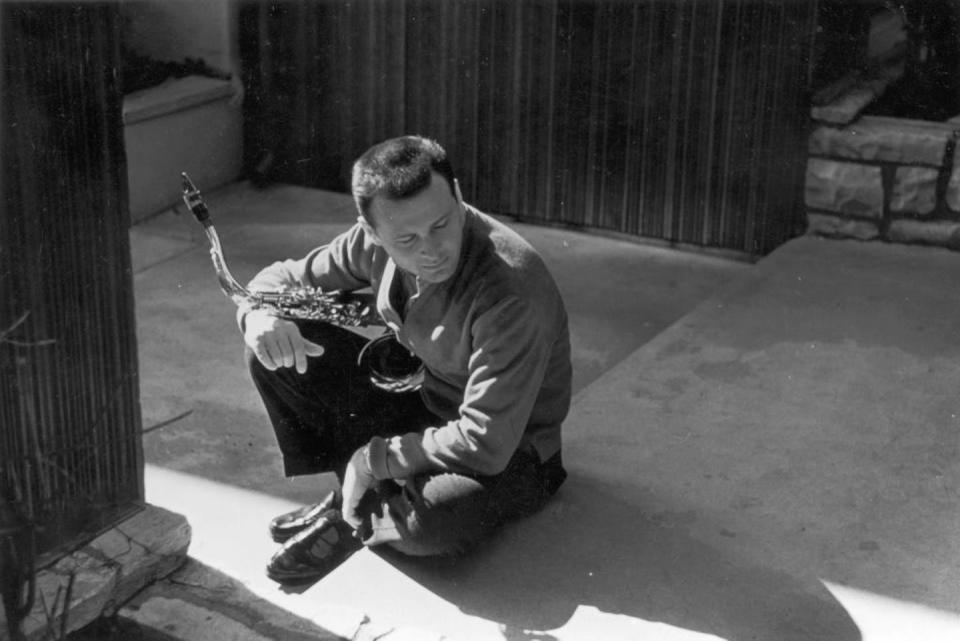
column 683, row 122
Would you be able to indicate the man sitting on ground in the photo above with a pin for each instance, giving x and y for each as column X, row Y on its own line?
column 432, row 471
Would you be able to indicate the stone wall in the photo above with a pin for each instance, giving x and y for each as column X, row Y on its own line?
column 885, row 179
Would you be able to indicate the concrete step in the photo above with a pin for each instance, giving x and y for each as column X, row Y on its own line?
column 105, row 573
column 198, row 602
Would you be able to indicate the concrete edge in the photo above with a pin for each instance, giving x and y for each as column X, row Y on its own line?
column 173, row 95
column 200, row 602
column 194, row 597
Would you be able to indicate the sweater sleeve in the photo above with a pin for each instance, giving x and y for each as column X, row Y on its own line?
column 343, row 264
column 511, row 348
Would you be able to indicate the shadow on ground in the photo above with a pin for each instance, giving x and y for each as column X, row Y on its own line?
column 590, row 549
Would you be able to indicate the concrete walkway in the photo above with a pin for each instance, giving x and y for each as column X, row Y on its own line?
column 765, row 452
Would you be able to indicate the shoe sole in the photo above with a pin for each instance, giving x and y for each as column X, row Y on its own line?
column 282, row 538
column 298, row 579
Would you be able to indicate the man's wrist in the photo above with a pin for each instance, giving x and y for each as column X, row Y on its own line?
column 244, row 309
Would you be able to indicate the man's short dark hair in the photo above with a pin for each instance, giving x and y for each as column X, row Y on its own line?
column 398, row 168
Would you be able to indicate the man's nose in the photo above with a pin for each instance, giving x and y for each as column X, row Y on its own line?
column 430, row 247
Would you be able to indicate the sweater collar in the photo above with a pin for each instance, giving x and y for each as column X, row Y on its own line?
column 392, row 272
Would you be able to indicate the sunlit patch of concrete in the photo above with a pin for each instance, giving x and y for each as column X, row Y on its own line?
column 230, row 535
column 589, row 622
column 882, row 618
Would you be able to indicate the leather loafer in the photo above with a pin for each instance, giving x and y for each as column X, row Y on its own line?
column 315, row 551
column 286, row 525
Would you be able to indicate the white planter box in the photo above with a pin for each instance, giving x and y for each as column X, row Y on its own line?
column 187, row 124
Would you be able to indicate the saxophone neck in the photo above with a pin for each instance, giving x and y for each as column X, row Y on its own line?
column 228, row 284
column 338, row 308
column 194, row 201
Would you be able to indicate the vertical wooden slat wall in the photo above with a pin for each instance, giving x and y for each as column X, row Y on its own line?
column 69, row 401
column 682, row 121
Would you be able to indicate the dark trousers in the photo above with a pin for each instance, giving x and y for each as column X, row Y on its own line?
column 322, row 416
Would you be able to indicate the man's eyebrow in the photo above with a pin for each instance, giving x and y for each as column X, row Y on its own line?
column 450, row 212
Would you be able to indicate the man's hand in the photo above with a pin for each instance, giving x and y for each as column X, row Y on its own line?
column 357, row 479
column 277, row 342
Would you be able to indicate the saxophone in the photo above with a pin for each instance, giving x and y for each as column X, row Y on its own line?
column 391, row 366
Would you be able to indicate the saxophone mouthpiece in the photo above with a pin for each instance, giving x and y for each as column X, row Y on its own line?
column 193, row 200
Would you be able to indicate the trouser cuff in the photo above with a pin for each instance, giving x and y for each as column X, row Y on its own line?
column 301, row 465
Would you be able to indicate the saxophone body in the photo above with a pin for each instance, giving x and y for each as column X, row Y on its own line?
column 391, row 366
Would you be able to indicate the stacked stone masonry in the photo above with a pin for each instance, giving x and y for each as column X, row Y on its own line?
column 886, row 179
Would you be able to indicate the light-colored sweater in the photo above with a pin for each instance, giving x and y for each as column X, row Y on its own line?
column 493, row 337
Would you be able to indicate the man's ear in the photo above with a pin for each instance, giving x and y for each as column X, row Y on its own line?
column 456, row 190
column 369, row 230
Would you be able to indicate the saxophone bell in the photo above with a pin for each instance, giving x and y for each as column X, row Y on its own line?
column 392, row 366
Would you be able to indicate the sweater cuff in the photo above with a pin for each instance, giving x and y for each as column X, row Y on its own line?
column 377, row 458
column 242, row 318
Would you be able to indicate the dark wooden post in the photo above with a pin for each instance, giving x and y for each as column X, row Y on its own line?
column 70, row 446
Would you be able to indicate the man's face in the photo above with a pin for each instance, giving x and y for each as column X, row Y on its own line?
column 423, row 233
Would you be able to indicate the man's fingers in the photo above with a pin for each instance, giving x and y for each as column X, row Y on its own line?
column 351, row 501
column 313, row 349
column 357, row 479
column 301, row 359
column 307, row 349
column 265, row 360
column 265, row 356
column 352, row 520
column 278, row 343
column 289, row 352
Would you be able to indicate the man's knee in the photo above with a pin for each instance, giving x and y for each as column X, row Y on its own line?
column 443, row 514
column 439, row 515
column 429, row 538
